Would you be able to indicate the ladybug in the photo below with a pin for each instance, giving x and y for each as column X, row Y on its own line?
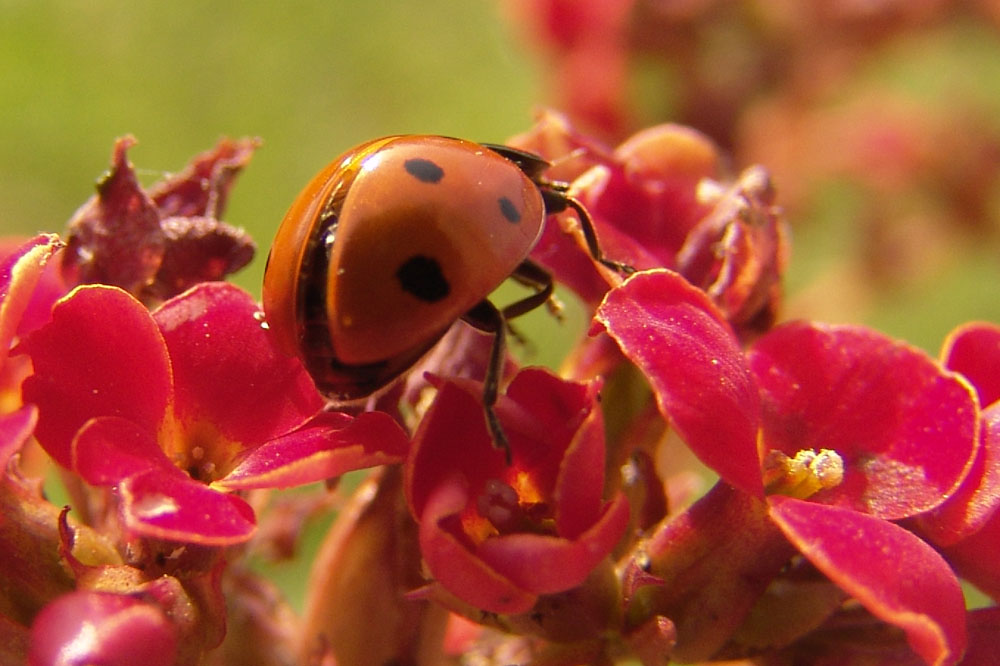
column 397, row 239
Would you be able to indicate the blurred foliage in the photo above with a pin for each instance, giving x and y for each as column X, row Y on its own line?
column 310, row 78
column 954, row 66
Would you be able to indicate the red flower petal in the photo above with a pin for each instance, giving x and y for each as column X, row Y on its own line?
column 20, row 274
column 455, row 566
column 894, row 574
column 101, row 355
column 541, row 415
column 695, row 366
column 557, row 411
column 975, row 557
column 905, row 427
column 15, row 428
column 100, row 628
column 968, row 508
column 657, row 202
column 974, row 351
column 546, row 564
column 559, row 251
column 328, row 446
column 226, row 370
column 450, row 442
column 984, row 636
column 109, row 449
column 579, row 488
column 173, row 507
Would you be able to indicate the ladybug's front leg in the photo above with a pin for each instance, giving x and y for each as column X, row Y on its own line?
column 556, row 200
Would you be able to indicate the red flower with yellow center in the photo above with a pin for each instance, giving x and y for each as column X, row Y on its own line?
column 176, row 407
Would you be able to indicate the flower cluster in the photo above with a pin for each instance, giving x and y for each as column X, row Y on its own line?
column 855, row 477
column 861, row 102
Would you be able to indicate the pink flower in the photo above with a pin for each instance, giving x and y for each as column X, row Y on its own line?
column 662, row 198
column 499, row 536
column 174, row 408
column 967, row 526
column 904, row 430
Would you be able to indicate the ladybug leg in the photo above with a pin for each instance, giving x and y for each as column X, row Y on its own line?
column 487, row 318
column 556, row 200
column 590, row 235
column 530, row 274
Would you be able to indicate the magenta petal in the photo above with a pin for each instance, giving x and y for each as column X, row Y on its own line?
column 226, row 370
column 328, row 446
column 967, row 509
column 20, row 273
column 101, row 355
column 100, row 628
column 695, row 366
column 975, row 557
column 459, row 570
column 906, row 428
column 580, row 486
column 974, row 351
column 558, row 409
column 545, row 564
column 451, row 442
column 173, row 507
column 108, row 449
column 15, row 428
column 984, row 637
column 894, row 574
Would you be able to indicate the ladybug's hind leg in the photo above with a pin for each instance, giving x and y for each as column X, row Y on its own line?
column 488, row 318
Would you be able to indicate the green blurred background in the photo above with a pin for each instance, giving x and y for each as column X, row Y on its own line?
column 310, row 78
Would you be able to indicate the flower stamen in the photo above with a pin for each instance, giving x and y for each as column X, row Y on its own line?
column 804, row 475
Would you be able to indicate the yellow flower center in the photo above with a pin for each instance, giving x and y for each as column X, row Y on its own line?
column 803, row 475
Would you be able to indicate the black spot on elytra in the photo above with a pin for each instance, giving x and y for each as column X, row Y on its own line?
column 509, row 210
column 421, row 276
column 423, row 170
